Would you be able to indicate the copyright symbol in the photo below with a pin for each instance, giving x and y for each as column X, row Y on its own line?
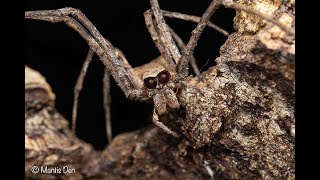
column 35, row 169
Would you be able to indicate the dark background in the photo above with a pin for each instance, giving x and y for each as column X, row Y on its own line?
column 58, row 52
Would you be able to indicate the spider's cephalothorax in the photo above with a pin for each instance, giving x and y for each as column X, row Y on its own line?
column 158, row 80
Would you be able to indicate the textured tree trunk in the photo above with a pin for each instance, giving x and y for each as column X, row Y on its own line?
column 249, row 132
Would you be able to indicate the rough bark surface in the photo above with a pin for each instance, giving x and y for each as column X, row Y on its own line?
column 237, row 123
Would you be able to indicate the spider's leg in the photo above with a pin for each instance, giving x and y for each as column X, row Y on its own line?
column 192, row 18
column 155, row 36
column 136, row 81
column 106, row 90
column 78, row 88
column 102, row 47
column 182, row 46
column 157, row 39
column 167, row 39
column 182, row 66
column 155, row 119
column 150, row 22
column 164, row 32
column 107, row 103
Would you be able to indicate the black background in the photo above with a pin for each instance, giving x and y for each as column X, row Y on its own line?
column 58, row 52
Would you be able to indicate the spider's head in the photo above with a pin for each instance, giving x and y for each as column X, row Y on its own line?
column 159, row 84
column 157, row 78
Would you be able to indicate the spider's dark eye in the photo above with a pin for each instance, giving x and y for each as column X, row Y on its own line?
column 163, row 77
column 150, row 82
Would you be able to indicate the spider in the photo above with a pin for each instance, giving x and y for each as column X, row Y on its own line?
column 157, row 81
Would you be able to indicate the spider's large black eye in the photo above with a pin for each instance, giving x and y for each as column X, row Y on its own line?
column 150, row 82
column 163, row 77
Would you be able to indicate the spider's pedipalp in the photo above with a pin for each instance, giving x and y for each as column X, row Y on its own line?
column 160, row 103
column 155, row 119
column 171, row 98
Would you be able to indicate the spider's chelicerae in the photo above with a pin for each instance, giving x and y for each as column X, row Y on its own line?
column 158, row 80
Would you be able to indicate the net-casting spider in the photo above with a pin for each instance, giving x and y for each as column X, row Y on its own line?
column 157, row 80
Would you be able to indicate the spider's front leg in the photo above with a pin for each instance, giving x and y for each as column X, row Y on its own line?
column 75, row 19
column 113, row 59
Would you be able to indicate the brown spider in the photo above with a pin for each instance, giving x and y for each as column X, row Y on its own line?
column 157, row 80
